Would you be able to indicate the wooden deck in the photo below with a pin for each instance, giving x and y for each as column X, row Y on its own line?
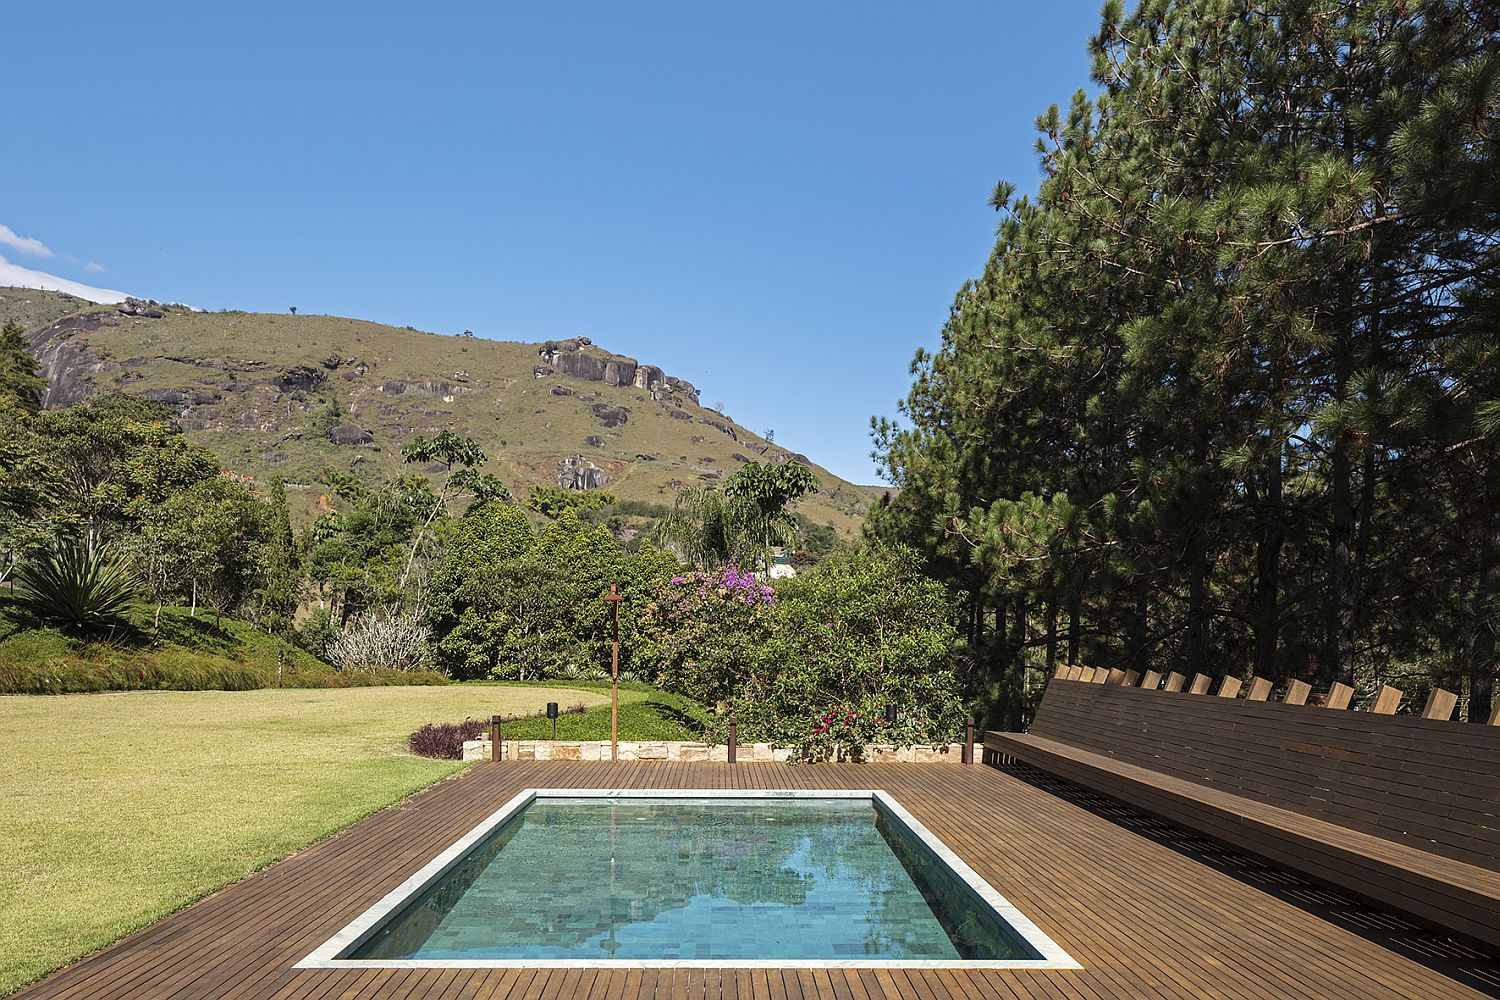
column 1147, row 909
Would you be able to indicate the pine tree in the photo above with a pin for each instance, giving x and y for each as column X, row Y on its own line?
column 21, row 383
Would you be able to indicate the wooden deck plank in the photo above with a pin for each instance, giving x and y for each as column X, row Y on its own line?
column 1144, row 916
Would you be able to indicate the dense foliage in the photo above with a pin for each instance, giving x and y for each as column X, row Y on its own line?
column 1226, row 396
column 112, row 518
column 813, row 663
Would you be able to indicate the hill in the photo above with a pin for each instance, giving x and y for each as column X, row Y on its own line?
column 287, row 395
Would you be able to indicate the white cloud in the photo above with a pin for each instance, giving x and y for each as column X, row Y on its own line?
column 25, row 277
column 23, row 244
column 94, row 266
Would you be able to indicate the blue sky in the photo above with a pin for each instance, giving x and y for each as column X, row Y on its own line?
column 776, row 201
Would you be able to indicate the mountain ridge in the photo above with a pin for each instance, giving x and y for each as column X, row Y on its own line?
column 287, row 395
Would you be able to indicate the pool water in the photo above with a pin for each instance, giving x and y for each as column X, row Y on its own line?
column 683, row 878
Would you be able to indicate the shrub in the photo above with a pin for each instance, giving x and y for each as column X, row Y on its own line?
column 77, row 584
column 444, row 741
column 863, row 630
column 705, row 632
column 387, row 639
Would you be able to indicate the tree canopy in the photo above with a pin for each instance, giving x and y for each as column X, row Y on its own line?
column 1222, row 398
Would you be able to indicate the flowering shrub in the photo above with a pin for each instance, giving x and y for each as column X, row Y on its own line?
column 704, row 633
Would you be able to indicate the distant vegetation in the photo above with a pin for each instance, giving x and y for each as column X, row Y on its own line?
column 137, row 561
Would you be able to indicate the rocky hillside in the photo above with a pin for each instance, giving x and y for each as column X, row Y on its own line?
column 288, row 395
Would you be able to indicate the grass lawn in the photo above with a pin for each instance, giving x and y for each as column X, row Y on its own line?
column 645, row 714
column 117, row 809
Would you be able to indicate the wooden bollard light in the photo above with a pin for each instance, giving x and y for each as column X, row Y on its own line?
column 614, row 597
column 495, row 738
column 968, row 757
column 734, row 739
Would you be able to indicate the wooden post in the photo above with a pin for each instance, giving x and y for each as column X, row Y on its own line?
column 614, row 599
column 1260, row 689
column 733, row 740
column 1387, row 700
column 1100, row 675
column 1229, row 687
column 968, row 757
column 1062, row 673
column 1297, row 692
column 1151, row 681
column 1174, row 682
column 1200, row 684
column 1132, row 678
column 495, row 744
column 1340, row 696
column 1495, row 716
column 1115, row 676
column 1440, row 704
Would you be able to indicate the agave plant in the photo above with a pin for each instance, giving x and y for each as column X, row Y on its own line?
column 77, row 583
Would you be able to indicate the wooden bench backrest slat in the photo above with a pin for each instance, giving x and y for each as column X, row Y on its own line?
column 1429, row 784
column 1387, row 700
column 1440, row 705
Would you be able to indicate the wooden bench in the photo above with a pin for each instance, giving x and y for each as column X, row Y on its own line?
column 1403, row 812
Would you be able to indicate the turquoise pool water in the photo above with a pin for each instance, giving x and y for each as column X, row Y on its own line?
column 674, row 879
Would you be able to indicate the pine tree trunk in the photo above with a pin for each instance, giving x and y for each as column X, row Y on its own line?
column 1051, row 636
column 1341, row 570
column 1197, row 599
column 1482, row 667
column 1268, row 573
column 1139, row 630
column 1073, row 628
column 1018, row 665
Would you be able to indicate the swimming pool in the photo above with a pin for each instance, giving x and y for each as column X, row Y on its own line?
column 569, row 877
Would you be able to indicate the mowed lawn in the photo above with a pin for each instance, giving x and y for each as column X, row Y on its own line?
column 117, row 809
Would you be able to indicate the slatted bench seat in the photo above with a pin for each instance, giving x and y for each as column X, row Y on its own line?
column 1403, row 812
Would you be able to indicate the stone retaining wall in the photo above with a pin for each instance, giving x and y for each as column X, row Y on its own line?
column 678, row 750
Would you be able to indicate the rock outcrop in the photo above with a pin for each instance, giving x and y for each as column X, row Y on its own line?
column 610, row 416
column 577, row 473
column 140, row 307
column 350, row 434
column 570, row 358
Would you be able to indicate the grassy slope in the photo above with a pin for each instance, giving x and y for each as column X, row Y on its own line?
column 186, row 644
column 260, row 429
column 117, row 809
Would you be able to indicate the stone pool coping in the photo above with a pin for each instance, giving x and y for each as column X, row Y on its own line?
column 325, row 956
column 681, row 750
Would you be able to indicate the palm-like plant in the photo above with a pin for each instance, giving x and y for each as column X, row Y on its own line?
column 77, row 583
